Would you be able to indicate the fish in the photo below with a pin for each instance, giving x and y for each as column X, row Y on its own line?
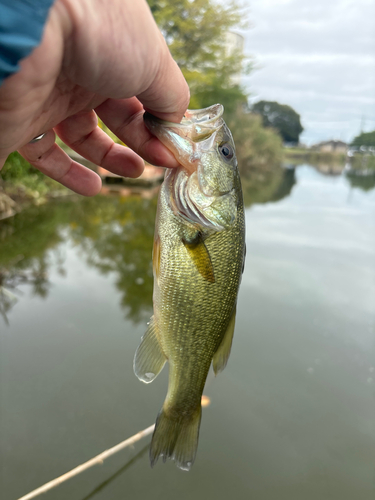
column 198, row 259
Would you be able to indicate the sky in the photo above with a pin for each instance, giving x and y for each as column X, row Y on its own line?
column 317, row 56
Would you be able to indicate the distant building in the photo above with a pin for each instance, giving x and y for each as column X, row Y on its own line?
column 234, row 43
column 331, row 147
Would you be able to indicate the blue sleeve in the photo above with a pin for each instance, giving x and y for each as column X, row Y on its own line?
column 21, row 30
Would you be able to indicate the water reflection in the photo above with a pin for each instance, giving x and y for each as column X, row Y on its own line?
column 24, row 244
column 295, row 400
column 115, row 234
column 118, row 473
column 268, row 185
column 7, row 301
column 11, row 278
column 364, row 182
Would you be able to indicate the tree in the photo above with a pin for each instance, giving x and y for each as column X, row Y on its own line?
column 258, row 150
column 364, row 139
column 195, row 31
column 281, row 117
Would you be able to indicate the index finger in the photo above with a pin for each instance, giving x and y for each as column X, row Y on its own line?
column 125, row 118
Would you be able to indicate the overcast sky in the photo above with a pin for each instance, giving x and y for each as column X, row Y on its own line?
column 318, row 56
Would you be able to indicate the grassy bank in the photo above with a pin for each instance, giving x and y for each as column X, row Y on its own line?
column 21, row 184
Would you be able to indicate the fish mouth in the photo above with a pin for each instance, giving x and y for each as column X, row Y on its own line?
column 197, row 124
column 203, row 116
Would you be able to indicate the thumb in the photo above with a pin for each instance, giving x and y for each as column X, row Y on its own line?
column 168, row 95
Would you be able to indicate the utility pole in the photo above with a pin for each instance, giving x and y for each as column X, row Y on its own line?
column 363, row 123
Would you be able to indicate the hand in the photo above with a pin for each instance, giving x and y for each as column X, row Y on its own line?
column 96, row 58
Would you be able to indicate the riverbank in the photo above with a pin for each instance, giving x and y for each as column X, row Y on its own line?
column 259, row 153
column 303, row 155
column 22, row 185
column 16, row 197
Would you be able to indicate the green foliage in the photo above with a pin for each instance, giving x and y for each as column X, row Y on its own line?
column 257, row 148
column 16, row 167
column 195, row 31
column 281, row 117
column 259, row 154
column 214, row 93
column 364, row 139
column 24, row 183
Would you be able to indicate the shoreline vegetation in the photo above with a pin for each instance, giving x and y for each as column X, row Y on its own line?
column 22, row 185
column 357, row 161
column 260, row 155
column 297, row 155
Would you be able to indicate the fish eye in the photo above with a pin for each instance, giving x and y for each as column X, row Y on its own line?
column 226, row 150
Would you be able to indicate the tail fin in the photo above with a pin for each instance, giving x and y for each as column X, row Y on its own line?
column 176, row 438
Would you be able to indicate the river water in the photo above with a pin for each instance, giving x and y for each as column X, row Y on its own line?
column 292, row 415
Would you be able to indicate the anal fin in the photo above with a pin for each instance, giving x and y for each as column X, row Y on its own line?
column 149, row 358
column 221, row 356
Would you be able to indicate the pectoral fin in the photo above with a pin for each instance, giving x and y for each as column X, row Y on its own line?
column 149, row 358
column 221, row 356
column 200, row 256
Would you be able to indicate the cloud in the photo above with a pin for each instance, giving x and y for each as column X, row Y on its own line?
column 317, row 57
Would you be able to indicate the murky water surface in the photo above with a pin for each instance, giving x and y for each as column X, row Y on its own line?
column 291, row 417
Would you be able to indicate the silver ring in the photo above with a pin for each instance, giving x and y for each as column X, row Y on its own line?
column 38, row 138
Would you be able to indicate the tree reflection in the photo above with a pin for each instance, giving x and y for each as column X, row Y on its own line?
column 11, row 278
column 266, row 186
column 114, row 234
column 7, row 301
column 25, row 240
column 364, row 182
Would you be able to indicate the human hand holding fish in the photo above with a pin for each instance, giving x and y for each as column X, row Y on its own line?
column 95, row 58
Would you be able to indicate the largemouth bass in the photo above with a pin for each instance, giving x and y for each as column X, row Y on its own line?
column 198, row 259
